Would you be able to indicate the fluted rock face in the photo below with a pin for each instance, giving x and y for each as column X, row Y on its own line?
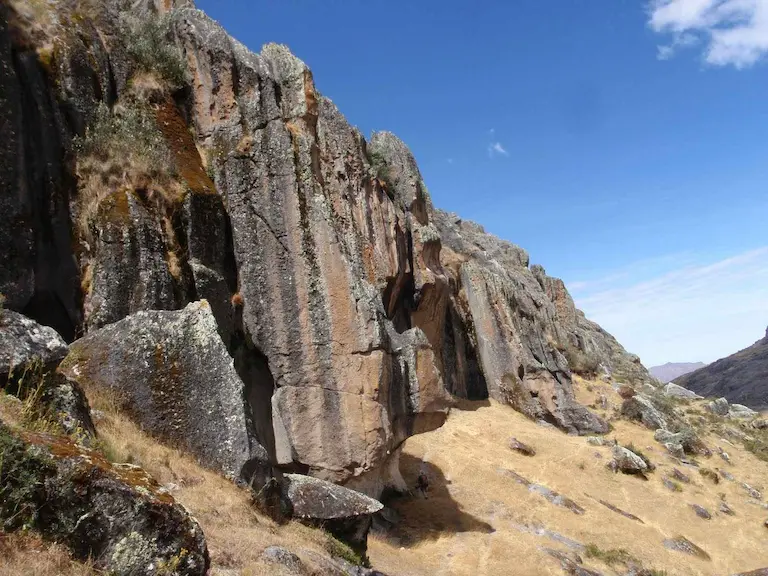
column 351, row 307
column 317, row 240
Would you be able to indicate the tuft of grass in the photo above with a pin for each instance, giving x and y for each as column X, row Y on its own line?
column 338, row 549
column 150, row 46
column 382, row 171
column 757, row 443
column 580, row 362
column 26, row 554
column 710, row 475
column 122, row 149
column 611, row 557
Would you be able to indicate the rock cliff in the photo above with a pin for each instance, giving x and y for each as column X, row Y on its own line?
column 153, row 161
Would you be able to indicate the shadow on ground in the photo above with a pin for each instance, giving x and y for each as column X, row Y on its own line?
column 470, row 405
column 427, row 518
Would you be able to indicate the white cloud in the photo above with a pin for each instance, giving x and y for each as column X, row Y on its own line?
column 495, row 148
column 735, row 31
column 698, row 312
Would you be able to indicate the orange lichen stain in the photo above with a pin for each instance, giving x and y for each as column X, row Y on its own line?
column 183, row 148
column 87, row 460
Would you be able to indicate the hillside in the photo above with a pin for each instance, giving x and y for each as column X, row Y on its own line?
column 741, row 377
column 479, row 520
column 671, row 370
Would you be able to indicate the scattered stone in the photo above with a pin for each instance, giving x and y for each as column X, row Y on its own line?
column 675, row 449
column 602, row 402
column 727, row 475
column 24, row 343
column 682, row 544
column 626, row 391
column 598, row 455
column 538, row 530
column 739, row 411
column 620, row 511
column 719, row 407
column 758, row 572
column 701, row 512
column 670, row 485
column 753, row 493
column 571, row 565
column 343, row 512
column 278, row 555
column 116, row 515
column 723, row 454
column 725, row 509
column 676, row 391
column 641, row 409
column 627, row 461
column 680, row 476
column 710, row 475
column 759, row 424
column 547, row 493
column 520, row 447
column 599, row 441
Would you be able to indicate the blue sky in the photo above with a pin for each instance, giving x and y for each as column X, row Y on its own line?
column 623, row 143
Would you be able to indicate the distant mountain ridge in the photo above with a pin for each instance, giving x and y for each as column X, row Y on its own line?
column 741, row 377
column 671, row 370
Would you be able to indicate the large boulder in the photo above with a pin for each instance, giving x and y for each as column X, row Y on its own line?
column 719, row 407
column 641, row 409
column 26, row 345
column 172, row 372
column 113, row 515
column 345, row 513
column 624, row 460
column 676, row 391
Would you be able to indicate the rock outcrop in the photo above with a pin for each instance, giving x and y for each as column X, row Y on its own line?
column 26, row 345
column 345, row 513
column 739, row 378
column 352, row 307
column 114, row 515
column 172, row 372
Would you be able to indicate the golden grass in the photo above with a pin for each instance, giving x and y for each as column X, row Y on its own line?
column 449, row 532
column 24, row 554
column 235, row 531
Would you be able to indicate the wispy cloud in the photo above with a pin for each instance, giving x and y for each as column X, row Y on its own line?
column 700, row 311
column 495, row 148
column 735, row 31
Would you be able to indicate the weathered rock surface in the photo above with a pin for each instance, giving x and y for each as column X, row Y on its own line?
column 719, row 407
column 345, row 513
column 351, row 306
column 676, row 391
column 25, row 344
column 682, row 544
column 626, row 461
column 173, row 373
column 114, row 515
column 522, row 448
column 701, row 512
column 641, row 409
column 740, row 377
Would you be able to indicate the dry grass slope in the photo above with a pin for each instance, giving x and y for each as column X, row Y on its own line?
column 479, row 521
column 236, row 532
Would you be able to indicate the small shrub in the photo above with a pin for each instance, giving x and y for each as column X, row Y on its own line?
column 580, row 362
column 610, row 557
column 338, row 549
column 758, row 445
column 710, row 475
column 382, row 170
column 122, row 149
column 149, row 45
